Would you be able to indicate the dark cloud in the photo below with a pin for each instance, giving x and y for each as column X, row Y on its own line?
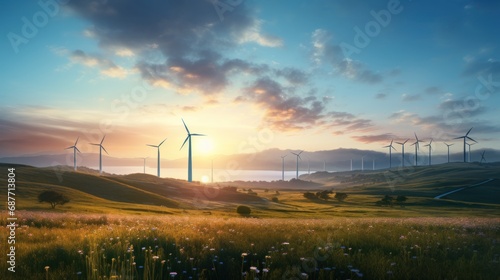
column 410, row 97
column 326, row 52
column 345, row 122
column 464, row 108
column 381, row 96
column 292, row 75
column 482, row 67
column 433, row 90
column 283, row 111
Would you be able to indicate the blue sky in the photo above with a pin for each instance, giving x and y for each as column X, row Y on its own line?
column 250, row 74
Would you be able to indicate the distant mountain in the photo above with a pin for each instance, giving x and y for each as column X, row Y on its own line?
column 331, row 160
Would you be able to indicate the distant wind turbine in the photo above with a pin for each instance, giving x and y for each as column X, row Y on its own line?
column 417, row 147
column 351, row 164
column 430, row 148
column 390, row 152
column 373, row 167
column 465, row 137
column 101, row 147
column 448, row 145
column 403, row 151
column 362, row 163
column 74, row 152
column 469, row 149
column 482, row 157
column 145, row 164
column 298, row 157
column 308, row 167
column 158, row 148
column 190, row 158
column 283, row 167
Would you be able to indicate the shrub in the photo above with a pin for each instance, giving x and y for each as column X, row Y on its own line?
column 53, row 197
column 243, row 210
column 274, row 199
column 340, row 196
column 309, row 195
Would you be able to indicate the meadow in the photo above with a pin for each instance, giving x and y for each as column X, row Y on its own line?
column 112, row 246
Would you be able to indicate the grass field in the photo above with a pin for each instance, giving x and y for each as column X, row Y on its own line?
column 142, row 227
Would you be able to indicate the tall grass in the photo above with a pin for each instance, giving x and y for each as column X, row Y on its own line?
column 182, row 247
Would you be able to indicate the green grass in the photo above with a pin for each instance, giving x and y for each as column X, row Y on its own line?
column 148, row 247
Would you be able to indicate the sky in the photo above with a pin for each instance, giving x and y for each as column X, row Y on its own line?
column 249, row 74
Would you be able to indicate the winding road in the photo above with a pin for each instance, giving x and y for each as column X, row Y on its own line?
column 460, row 189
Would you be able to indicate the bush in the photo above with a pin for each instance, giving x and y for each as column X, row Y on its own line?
column 274, row 199
column 386, row 201
column 243, row 210
column 309, row 195
column 340, row 196
column 53, row 197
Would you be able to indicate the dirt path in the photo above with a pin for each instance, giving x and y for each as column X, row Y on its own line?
column 460, row 189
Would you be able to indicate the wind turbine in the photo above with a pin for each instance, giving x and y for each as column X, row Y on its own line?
column 448, row 145
column 157, row 147
column 373, row 167
column 145, row 158
column 430, row 148
column 362, row 163
column 101, row 147
column 190, row 158
column 465, row 137
column 482, row 157
column 351, row 164
column 390, row 152
column 298, row 157
column 403, row 151
column 283, row 167
column 416, row 149
column 74, row 152
column 469, row 149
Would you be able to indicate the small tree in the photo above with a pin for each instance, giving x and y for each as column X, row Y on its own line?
column 275, row 199
column 53, row 197
column 243, row 210
column 401, row 199
column 340, row 196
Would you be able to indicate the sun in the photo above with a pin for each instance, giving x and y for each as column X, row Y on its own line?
column 205, row 179
column 205, row 145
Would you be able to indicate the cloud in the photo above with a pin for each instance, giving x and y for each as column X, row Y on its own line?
column 381, row 96
column 108, row 67
column 460, row 109
column 283, row 110
column 254, row 34
column 347, row 123
column 433, row 90
column 325, row 51
column 410, row 97
column 379, row 138
column 476, row 67
column 292, row 75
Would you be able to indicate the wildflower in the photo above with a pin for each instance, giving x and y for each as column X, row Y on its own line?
column 173, row 274
column 244, row 255
column 253, row 268
column 47, row 268
column 285, row 243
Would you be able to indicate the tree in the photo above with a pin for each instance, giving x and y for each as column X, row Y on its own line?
column 401, row 199
column 53, row 197
column 243, row 210
column 340, row 196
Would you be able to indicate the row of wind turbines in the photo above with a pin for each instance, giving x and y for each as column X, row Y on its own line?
column 101, row 148
column 417, row 147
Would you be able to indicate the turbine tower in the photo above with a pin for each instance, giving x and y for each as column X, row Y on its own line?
column 362, row 163
column 373, row 167
column 145, row 158
column 283, row 167
column 448, row 145
column 469, row 149
column 101, row 147
column 298, row 157
column 351, row 164
column 74, row 152
column 482, row 157
column 390, row 152
column 157, row 147
column 465, row 137
column 190, row 157
column 416, row 149
column 430, row 148
column 403, row 151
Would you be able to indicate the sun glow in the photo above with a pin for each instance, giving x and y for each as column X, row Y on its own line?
column 205, row 179
column 205, row 145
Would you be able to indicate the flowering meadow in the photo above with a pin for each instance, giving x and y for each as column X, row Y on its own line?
column 89, row 246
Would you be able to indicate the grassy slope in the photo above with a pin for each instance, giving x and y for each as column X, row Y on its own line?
column 136, row 193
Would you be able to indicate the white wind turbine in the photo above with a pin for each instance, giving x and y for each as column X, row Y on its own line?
column 145, row 164
column 430, row 149
column 417, row 147
column 157, row 147
column 283, row 167
column 190, row 158
column 101, row 147
column 465, row 137
column 298, row 157
column 470, row 144
column 402, row 151
column 448, row 145
column 390, row 152
column 74, row 152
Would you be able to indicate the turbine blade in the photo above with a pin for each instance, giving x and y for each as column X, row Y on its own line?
column 69, row 147
column 95, row 144
column 78, row 150
column 152, row 146
column 185, row 141
column 471, row 139
column 393, row 148
column 468, row 131
column 104, row 150
column 459, row 137
column 300, row 152
column 77, row 140
column 185, row 126
column 162, row 142
column 103, row 139
column 405, row 141
column 196, row 134
column 415, row 136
